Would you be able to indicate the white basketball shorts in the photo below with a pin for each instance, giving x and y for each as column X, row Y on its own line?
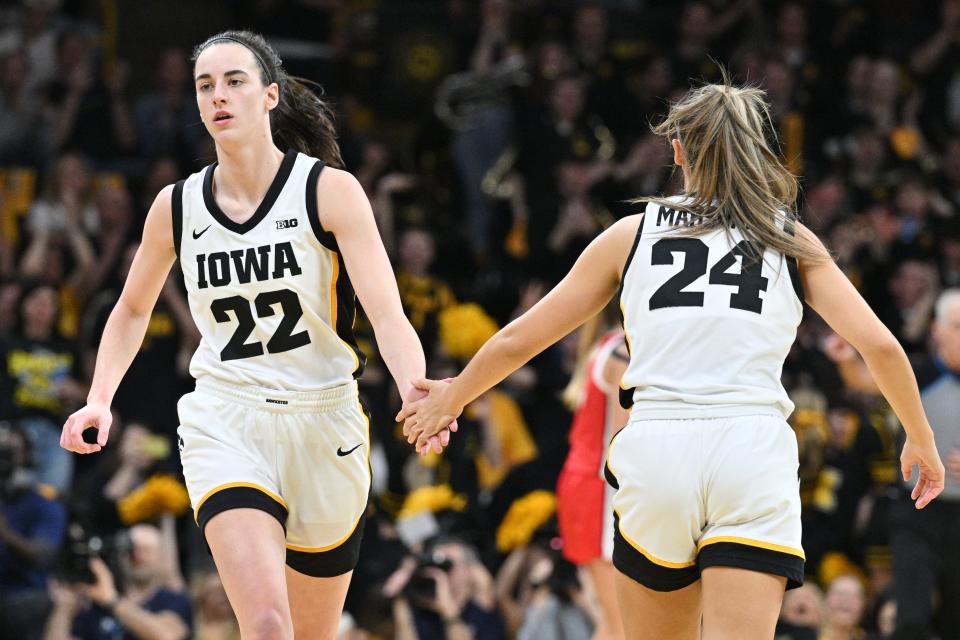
column 302, row 457
column 697, row 493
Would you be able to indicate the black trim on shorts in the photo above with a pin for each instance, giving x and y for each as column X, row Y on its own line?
column 636, row 566
column 610, row 478
column 239, row 498
column 744, row 556
column 176, row 205
column 333, row 562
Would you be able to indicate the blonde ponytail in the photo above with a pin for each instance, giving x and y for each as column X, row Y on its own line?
column 735, row 179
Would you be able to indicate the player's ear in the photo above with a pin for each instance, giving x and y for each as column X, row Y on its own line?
column 272, row 96
column 678, row 157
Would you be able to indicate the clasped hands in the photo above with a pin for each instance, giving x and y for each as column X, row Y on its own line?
column 429, row 415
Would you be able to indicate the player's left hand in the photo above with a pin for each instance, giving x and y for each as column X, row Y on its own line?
column 428, row 416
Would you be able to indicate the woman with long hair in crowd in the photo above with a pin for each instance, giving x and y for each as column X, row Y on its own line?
column 711, row 284
column 273, row 239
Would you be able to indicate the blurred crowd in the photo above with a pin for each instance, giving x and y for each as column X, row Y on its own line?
column 494, row 139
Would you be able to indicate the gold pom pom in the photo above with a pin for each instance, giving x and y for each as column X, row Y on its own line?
column 464, row 328
column 158, row 495
column 524, row 517
column 432, row 498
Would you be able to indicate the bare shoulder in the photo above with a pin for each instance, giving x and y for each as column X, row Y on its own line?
column 164, row 200
column 340, row 197
column 158, row 227
column 627, row 226
column 608, row 252
column 619, row 236
column 337, row 185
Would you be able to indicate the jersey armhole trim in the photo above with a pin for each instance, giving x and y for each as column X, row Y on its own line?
column 794, row 270
column 313, row 214
column 176, row 206
column 626, row 395
column 633, row 248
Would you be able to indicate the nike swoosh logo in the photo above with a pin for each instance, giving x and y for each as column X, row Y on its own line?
column 197, row 235
column 341, row 452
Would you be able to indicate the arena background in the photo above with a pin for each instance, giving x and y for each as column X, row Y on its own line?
column 495, row 140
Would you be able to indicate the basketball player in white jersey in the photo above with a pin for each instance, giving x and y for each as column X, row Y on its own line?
column 272, row 244
column 707, row 511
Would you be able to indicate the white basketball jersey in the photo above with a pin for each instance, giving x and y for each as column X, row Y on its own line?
column 270, row 296
column 708, row 329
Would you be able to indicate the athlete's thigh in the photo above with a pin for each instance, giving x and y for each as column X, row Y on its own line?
column 656, row 615
column 753, row 501
column 316, row 604
column 325, row 473
column 248, row 549
column 655, row 466
column 740, row 604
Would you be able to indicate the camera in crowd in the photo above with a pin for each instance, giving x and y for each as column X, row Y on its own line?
column 81, row 546
column 422, row 587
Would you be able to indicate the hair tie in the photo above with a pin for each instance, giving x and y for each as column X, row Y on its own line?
column 263, row 65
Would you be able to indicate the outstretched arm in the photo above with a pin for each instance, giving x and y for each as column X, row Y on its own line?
column 591, row 283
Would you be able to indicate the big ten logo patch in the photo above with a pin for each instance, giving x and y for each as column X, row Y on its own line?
column 286, row 224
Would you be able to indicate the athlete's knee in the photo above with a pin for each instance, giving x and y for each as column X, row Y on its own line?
column 267, row 623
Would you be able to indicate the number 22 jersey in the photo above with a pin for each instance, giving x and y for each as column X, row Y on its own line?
column 708, row 327
column 270, row 296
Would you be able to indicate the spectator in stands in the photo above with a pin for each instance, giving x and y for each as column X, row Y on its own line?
column 925, row 545
column 460, row 605
column 168, row 121
column 214, row 617
column 154, row 603
column 21, row 131
column 845, row 604
column 31, row 531
column 88, row 113
column 41, row 381
column 802, row 614
column 34, row 30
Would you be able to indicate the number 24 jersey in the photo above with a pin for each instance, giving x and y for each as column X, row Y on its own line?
column 708, row 327
column 270, row 296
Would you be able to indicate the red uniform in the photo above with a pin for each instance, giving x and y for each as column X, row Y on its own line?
column 584, row 510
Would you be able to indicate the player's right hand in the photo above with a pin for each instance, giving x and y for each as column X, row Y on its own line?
column 92, row 415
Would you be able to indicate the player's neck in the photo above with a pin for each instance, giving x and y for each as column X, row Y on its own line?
column 245, row 173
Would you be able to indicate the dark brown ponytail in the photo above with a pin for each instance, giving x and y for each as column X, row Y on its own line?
column 301, row 120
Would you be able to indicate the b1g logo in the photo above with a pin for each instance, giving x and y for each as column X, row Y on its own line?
column 286, row 224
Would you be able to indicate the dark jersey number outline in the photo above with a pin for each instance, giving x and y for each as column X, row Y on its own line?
column 749, row 281
column 283, row 338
